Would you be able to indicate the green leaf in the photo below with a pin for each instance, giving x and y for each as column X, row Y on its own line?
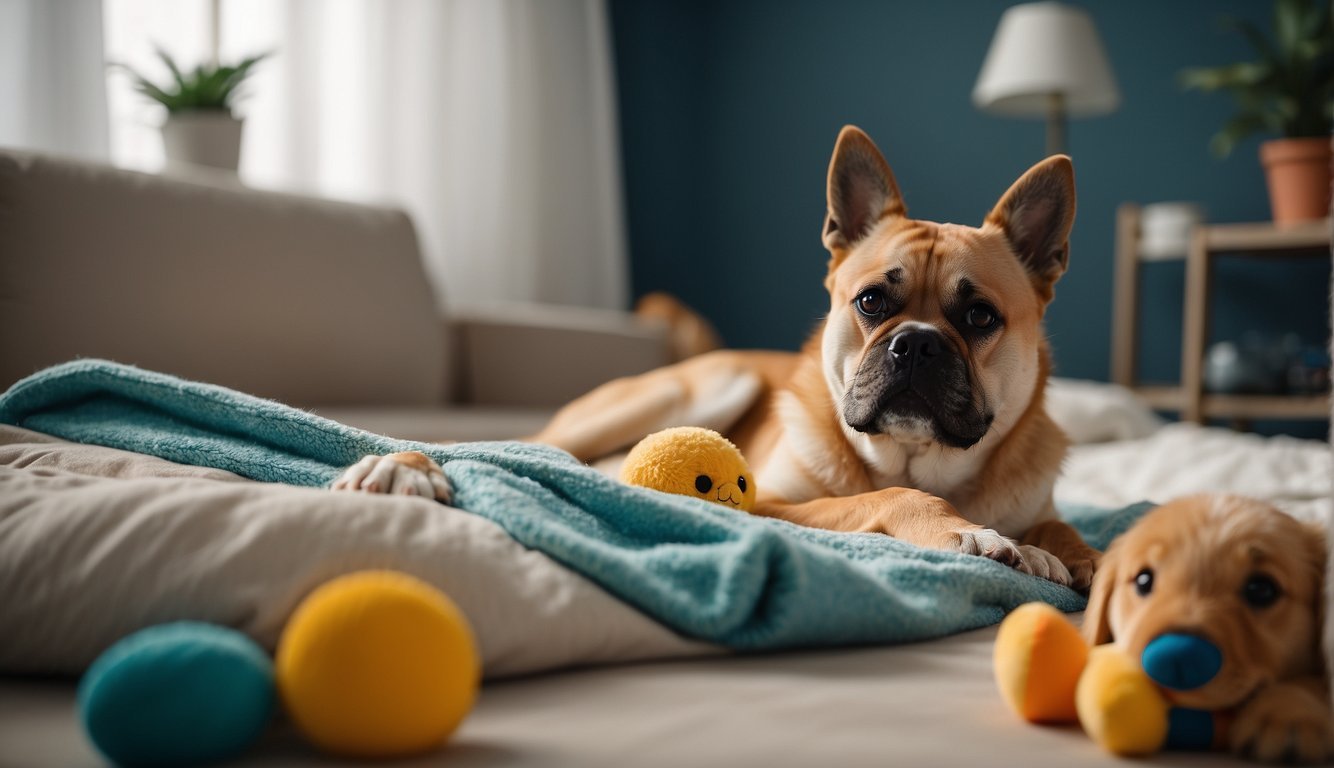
column 1235, row 130
column 1288, row 22
column 171, row 65
column 1241, row 75
column 153, row 92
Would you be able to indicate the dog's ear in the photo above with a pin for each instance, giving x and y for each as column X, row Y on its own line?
column 1318, row 550
column 1097, row 627
column 861, row 191
column 1036, row 215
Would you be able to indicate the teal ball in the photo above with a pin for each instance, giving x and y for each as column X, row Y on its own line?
column 177, row 694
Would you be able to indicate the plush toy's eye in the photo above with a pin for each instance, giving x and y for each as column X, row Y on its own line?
column 741, row 483
column 1260, row 591
column 872, row 302
column 1144, row 581
column 703, row 483
column 981, row 316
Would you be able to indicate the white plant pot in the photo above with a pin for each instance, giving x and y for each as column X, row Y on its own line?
column 211, row 139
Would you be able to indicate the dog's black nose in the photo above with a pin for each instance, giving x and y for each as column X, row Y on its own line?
column 915, row 347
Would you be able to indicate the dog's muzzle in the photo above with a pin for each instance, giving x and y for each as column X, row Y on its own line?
column 916, row 378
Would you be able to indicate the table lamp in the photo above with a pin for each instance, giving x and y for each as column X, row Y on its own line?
column 1046, row 59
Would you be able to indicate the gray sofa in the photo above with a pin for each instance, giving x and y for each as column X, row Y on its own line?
column 318, row 304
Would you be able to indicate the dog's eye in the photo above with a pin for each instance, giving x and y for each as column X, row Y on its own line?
column 1144, row 581
column 741, row 483
column 703, row 483
column 1260, row 591
column 981, row 316
column 872, row 302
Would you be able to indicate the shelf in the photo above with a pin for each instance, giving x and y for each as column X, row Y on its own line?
column 1169, row 398
column 1259, row 240
column 1266, row 406
column 1266, row 236
column 1163, row 397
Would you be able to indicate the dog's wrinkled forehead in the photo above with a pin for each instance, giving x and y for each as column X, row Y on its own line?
column 924, row 265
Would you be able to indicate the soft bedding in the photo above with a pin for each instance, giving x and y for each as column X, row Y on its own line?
column 1181, row 459
column 1123, row 453
column 711, row 574
column 96, row 543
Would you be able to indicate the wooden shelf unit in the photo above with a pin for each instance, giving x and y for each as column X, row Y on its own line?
column 1167, row 397
column 1259, row 240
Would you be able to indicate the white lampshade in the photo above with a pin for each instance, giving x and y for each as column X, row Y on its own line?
column 1041, row 50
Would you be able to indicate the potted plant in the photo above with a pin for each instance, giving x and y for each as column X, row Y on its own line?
column 1289, row 91
column 200, row 128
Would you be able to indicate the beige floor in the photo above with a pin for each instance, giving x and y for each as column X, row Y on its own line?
column 927, row 704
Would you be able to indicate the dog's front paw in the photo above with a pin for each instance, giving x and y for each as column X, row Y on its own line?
column 410, row 473
column 987, row 543
column 1283, row 723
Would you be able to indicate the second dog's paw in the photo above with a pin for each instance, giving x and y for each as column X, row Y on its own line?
column 410, row 473
column 1045, row 565
column 1283, row 723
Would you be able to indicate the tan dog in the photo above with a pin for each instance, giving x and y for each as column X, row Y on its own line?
column 1246, row 579
column 916, row 409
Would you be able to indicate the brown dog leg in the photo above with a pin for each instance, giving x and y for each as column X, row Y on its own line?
column 908, row 514
column 713, row 390
column 1063, row 541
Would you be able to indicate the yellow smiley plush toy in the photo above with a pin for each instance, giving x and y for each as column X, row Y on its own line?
column 692, row 461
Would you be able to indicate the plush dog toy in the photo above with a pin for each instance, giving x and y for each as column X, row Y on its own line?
column 1204, row 622
column 1048, row 674
column 692, row 461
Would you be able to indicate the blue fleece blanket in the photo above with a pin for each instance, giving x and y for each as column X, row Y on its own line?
column 745, row 582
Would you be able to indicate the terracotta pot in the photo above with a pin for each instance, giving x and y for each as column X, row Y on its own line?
column 210, row 138
column 1298, row 171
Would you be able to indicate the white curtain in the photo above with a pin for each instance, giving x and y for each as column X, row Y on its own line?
column 52, row 79
column 492, row 122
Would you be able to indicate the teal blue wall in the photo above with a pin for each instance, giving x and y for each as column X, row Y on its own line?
column 729, row 111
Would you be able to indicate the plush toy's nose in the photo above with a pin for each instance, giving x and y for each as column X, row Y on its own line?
column 730, row 493
column 1181, row 662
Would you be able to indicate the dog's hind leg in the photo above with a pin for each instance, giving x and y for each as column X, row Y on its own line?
column 713, row 390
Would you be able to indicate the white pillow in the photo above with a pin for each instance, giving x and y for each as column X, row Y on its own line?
column 1095, row 412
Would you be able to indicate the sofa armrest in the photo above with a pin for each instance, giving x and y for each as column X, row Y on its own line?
column 546, row 355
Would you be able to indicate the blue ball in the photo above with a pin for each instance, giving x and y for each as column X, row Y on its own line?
column 177, row 694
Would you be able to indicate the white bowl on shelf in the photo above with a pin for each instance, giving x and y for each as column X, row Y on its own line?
column 1165, row 229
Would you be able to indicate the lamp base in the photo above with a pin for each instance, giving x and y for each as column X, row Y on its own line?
column 1055, row 124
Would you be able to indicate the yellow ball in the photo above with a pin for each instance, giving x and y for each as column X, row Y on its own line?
column 1119, row 706
column 377, row 664
column 692, row 461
